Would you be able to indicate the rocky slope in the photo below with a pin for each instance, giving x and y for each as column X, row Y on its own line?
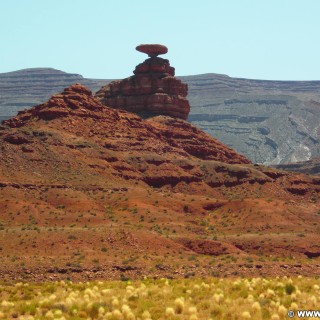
column 268, row 121
column 89, row 191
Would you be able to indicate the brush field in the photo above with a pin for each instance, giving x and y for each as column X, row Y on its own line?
column 209, row 298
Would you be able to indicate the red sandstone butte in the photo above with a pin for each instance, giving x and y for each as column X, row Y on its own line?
column 152, row 90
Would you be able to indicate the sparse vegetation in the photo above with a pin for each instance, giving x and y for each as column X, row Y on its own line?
column 210, row 298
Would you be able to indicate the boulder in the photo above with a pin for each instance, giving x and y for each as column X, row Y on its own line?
column 152, row 50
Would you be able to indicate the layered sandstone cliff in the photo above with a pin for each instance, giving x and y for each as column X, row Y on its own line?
column 153, row 90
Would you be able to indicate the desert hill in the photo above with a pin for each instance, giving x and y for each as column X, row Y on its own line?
column 89, row 192
column 268, row 121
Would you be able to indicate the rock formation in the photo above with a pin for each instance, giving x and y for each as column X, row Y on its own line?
column 153, row 90
column 28, row 87
column 76, row 100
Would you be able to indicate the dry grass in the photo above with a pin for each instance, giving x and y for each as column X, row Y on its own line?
column 211, row 298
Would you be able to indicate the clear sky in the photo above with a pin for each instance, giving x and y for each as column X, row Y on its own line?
column 258, row 39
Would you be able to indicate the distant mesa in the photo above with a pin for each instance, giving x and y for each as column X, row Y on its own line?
column 152, row 90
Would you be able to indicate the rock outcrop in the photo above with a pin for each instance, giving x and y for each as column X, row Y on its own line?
column 28, row 87
column 153, row 90
column 76, row 100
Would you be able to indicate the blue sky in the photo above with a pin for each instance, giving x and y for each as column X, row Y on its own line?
column 258, row 39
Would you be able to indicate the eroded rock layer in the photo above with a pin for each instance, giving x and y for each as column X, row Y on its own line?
column 153, row 90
